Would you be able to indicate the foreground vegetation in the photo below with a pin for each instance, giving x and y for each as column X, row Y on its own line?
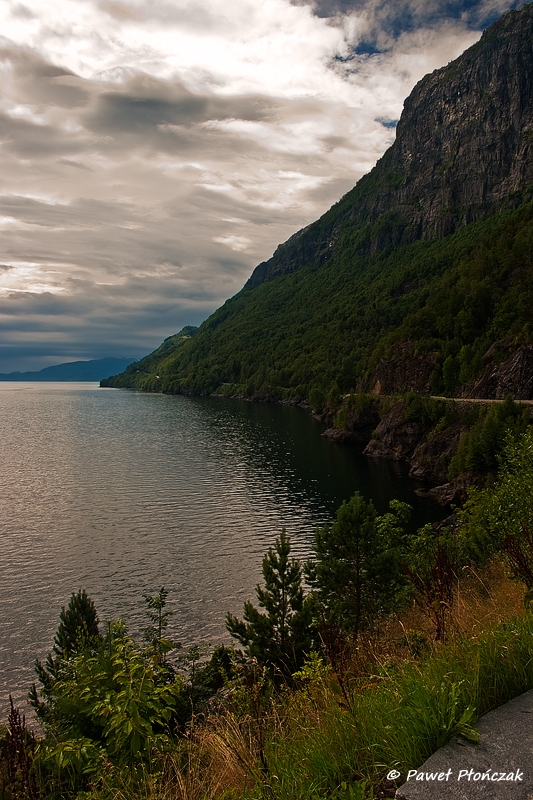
column 403, row 641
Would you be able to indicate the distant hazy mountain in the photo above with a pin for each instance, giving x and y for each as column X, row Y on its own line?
column 95, row 370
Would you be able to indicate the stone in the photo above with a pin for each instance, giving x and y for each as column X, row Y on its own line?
column 512, row 376
column 500, row 766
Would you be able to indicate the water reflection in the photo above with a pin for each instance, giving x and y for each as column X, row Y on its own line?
column 122, row 492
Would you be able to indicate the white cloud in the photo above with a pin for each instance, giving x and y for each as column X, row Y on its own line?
column 27, row 277
column 237, row 243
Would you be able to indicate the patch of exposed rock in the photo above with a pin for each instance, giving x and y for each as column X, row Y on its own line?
column 396, row 437
column 452, row 492
column 498, row 767
column 402, row 373
column 473, row 118
column 358, row 426
column 401, row 438
column 430, row 459
column 513, row 375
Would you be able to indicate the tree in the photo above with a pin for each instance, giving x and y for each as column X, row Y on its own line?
column 499, row 518
column 432, row 564
column 316, row 399
column 110, row 708
column 280, row 637
column 153, row 634
column 78, row 625
column 350, row 571
column 104, row 699
column 78, row 631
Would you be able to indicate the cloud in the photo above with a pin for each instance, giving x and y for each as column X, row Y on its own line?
column 152, row 153
column 120, row 11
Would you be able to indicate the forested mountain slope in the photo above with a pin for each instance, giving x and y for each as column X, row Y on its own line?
column 419, row 278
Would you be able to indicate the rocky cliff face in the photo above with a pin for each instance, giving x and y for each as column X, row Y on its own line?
column 508, row 371
column 472, row 118
column 382, row 319
column 404, row 372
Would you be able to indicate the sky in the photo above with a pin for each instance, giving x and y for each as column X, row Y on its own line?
column 153, row 152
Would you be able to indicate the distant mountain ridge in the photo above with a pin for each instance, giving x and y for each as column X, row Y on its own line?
column 420, row 278
column 93, row 370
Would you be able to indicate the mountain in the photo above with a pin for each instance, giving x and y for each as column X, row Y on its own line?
column 420, row 278
column 95, row 370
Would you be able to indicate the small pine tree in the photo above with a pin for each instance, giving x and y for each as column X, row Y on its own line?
column 77, row 631
column 355, row 573
column 280, row 637
column 78, row 626
column 153, row 634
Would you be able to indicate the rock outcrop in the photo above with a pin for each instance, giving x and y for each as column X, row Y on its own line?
column 357, row 426
column 395, row 437
column 513, row 375
column 403, row 372
column 400, row 437
column 431, row 457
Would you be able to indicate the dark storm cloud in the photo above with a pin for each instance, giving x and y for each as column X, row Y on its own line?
column 92, row 213
column 145, row 103
column 27, row 139
column 129, row 320
column 118, row 113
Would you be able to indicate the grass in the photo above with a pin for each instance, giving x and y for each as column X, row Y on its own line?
column 403, row 713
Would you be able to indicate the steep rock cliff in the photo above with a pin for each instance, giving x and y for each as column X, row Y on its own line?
column 474, row 119
column 404, row 372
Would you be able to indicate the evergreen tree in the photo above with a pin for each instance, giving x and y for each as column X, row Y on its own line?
column 356, row 573
column 153, row 634
column 78, row 626
column 77, row 631
column 280, row 637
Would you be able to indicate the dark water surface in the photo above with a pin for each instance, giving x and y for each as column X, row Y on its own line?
column 121, row 493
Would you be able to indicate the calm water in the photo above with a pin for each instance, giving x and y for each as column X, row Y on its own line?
column 121, row 493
